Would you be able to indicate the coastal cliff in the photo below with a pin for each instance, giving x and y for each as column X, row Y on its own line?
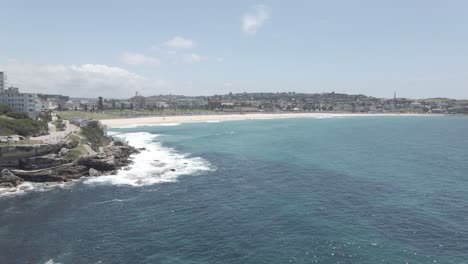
column 112, row 158
column 65, row 160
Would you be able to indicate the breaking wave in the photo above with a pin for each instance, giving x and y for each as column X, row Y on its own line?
column 51, row 261
column 27, row 187
column 148, row 125
column 155, row 164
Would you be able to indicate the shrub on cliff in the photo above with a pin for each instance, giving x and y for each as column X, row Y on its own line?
column 17, row 115
column 95, row 135
column 19, row 123
column 24, row 127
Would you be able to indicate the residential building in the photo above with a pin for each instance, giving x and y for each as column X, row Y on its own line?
column 22, row 102
column 73, row 105
column 49, row 104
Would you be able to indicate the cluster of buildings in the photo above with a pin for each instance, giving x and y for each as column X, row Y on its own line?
column 30, row 103
column 241, row 102
column 291, row 102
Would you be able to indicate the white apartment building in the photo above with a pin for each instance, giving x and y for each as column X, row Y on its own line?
column 22, row 102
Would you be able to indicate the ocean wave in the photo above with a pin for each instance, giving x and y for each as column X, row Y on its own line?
column 51, row 261
column 114, row 201
column 148, row 125
column 27, row 187
column 113, row 133
column 155, row 164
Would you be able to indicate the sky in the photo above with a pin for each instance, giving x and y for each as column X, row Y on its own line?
column 416, row 48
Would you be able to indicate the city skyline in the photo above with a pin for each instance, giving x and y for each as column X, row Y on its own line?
column 88, row 49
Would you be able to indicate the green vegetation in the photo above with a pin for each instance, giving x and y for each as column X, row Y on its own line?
column 12, row 122
column 45, row 116
column 75, row 153
column 95, row 135
column 58, row 124
column 24, row 127
column 74, row 138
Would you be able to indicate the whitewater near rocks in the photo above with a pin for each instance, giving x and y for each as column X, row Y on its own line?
column 154, row 164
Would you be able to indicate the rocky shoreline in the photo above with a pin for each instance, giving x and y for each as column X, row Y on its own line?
column 54, row 168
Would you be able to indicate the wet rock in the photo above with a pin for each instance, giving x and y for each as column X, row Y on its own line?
column 112, row 158
column 51, row 168
column 94, row 173
column 107, row 173
column 41, row 162
column 63, row 152
column 65, row 172
column 100, row 162
column 9, row 179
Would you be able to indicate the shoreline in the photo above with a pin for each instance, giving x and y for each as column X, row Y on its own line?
column 161, row 120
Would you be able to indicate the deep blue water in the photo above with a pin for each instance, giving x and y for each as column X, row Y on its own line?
column 340, row 190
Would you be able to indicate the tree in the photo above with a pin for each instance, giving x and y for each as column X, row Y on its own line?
column 5, row 109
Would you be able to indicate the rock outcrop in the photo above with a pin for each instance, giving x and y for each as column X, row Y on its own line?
column 41, row 162
column 64, row 173
column 94, row 173
column 11, row 155
column 112, row 158
column 8, row 179
column 108, row 162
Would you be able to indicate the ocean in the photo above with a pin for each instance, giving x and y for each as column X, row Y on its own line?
column 306, row 190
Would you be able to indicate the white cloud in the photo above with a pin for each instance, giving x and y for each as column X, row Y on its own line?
column 253, row 21
column 194, row 58
column 180, row 43
column 87, row 80
column 228, row 84
column 131, row 58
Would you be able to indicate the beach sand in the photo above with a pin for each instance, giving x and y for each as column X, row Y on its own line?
column 155, row 120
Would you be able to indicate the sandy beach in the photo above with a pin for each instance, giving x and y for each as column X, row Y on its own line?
column 155, row 120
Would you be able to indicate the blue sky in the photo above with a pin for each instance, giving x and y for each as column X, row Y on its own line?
column 115, row 48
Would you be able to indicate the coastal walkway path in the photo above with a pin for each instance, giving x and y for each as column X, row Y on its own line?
column 56, row 136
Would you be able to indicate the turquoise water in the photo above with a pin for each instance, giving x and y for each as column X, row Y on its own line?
column 338, row 190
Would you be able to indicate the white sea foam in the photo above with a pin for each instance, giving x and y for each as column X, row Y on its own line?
column 51, row 261
column 148, row 125
column 28, row 187
column 113, row 133
column 168, row 124
column 155, row 164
